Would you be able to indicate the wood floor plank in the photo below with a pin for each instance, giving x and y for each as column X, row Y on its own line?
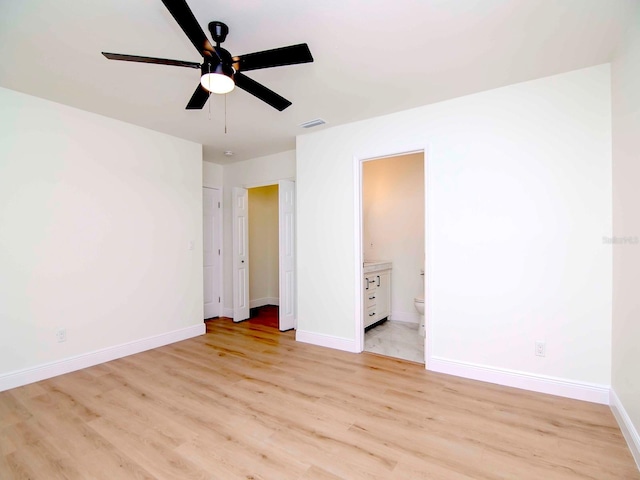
column 245, row 402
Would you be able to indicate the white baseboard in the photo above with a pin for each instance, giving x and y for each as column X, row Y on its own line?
column 626, row 426
column 408, row 317
column 85, row 360
column 589, row 392
column 211, row 311
column 329, row 341
column 260, row 302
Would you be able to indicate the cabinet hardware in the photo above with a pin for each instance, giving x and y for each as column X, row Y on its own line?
column 372, row 297
column 372, row 314
column 378, row 279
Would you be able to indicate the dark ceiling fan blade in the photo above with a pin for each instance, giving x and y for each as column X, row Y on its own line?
column 159, row 61
column 190, row 26
column 291, row 55
column 198, row 99
column 260, row 91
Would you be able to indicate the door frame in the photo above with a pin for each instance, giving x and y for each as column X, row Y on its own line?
column 234, row 233
column 358, row 161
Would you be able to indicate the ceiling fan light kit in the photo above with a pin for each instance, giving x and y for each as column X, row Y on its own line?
column 217, row 80
column 220, row 72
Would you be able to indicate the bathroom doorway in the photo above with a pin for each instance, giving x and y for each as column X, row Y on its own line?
column 393, row 234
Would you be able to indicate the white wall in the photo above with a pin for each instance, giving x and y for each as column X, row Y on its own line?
column 518, row 200
column 96, row 216
column 263, row 246
column 393, row 226
column 212, row 175
column 626, row 223
column 251, row 173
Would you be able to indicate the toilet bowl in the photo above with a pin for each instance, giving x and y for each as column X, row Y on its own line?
column 419, row 303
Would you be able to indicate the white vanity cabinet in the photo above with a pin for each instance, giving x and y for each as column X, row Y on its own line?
column 376, row 288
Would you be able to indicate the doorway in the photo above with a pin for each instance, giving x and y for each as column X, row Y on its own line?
column 393, row 237
column 264, row 296
column 264, row 251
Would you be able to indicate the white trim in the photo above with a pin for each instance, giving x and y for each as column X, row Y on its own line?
column 562, row 387
column 260, row 302
column 357, row 205
column 626, row 426
column 429, row 340
column 268, row 183
column 222, row 254
column 85, row 360
column 329, row 341
column 406, row 317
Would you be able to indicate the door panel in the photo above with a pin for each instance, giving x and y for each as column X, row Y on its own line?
column 240, row 212
column 286, row 207
column 211, row 251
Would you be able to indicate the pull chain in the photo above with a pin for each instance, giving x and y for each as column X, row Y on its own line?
column 209, row 80
column 225, row 113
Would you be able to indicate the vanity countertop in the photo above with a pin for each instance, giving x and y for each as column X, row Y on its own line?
column 368, row 267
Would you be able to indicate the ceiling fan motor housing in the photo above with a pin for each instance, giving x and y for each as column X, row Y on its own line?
column 220, row 63
column 213, row 65
column 218, row 31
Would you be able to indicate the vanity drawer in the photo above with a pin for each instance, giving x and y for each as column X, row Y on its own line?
column 369, row 299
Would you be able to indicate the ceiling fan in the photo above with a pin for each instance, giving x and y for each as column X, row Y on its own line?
column 220, row 72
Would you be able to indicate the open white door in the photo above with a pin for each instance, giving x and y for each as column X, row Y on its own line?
column 211, row 251
column 286, row 209
column 240, row 212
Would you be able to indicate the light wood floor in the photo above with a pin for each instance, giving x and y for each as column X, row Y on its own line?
column 246, row 402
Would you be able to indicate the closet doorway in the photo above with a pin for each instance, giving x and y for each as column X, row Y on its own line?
column 264, row 251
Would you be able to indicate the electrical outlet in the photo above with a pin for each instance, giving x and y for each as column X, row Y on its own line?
column 61, row 335
column 541, row 348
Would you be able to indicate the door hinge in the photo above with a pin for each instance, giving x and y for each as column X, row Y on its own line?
column 218, row 204
column 218, row 251
column 218, row 299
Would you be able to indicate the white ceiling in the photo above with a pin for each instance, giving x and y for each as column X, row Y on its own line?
column 372, row 57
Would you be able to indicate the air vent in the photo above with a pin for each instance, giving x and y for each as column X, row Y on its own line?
column 313, row 123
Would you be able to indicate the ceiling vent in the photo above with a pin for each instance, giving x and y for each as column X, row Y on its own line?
column 313, row 123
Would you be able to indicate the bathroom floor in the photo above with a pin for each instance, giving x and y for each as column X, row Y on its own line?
column 396, row 339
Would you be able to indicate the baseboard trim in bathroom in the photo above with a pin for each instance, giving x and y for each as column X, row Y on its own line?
column 407, row 317
column 589, row 392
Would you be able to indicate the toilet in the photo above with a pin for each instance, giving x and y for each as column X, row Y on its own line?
column 419, row 303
